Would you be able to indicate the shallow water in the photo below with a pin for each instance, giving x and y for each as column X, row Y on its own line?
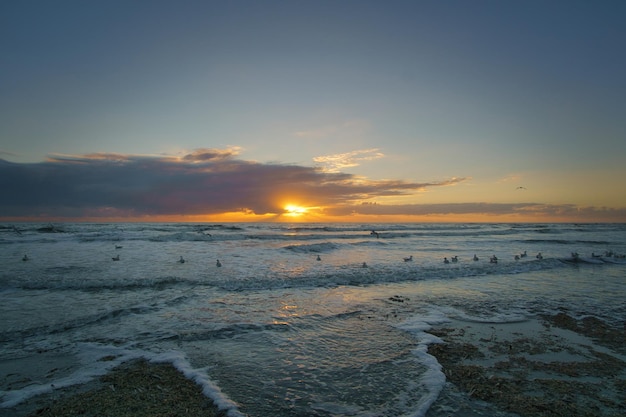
column 275, row 330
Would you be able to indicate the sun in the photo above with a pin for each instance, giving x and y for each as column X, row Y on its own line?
column 294, row 211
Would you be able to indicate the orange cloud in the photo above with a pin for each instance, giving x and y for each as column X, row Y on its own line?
column 212, row 184
column 337, row 162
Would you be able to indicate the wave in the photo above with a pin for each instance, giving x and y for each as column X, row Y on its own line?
column 76, row 323
column 312, row 248
column 353, row 274
column 94, row 285
column 228, row 331
column 183, row 232
column 357, row 275
column 566, row 241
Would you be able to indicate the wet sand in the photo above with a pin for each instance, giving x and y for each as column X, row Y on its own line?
column 550, row 366
column 136, row 388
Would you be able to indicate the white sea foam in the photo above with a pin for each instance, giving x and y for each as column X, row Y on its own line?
column 200, row 377
column 433, row 379
column 92, row 366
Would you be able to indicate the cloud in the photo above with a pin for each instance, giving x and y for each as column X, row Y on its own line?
column 205, row 181
column 538, row 211
column 205, row 155
column 215, row 181
column 337, row 162
column 7, row 153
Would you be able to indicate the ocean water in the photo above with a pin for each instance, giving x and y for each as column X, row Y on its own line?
column 274, row 330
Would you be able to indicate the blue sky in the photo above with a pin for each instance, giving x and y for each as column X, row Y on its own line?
column 474, row 98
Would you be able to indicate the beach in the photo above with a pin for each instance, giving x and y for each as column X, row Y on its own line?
column 555, row 365
column 137, row 388
column 276, row 332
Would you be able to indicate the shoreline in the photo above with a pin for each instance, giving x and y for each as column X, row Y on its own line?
column 549, row 366
column 554, row 365
column 136, row 388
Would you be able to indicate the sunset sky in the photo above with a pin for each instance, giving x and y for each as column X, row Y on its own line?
column 313, row 110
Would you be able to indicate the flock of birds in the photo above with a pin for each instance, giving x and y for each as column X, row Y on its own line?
column 181, row 260
column 493, row 259
column 454, row 259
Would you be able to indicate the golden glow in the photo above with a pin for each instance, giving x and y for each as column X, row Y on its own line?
column 295, row 211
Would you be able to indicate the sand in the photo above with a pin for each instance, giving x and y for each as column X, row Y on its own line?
column 136, row 388
column 548, row 366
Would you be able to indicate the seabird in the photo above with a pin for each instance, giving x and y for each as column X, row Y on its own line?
column 475, row 258
column 318, row 258
column 445, row 260
column 517, row 257
column 25, row 258
column 493, row 259
column 523, row 255
column 539, row 256
column 181, row 260
column 455, row 258
column 218, row 263
column 374, row 233
column 364, row 265
column 118, row 247
column 520, row 188
column 116, row 258
column 409, row 259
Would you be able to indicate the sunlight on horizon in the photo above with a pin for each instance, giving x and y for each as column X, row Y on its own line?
column 293, row 210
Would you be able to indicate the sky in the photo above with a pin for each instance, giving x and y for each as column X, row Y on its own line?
column 347, row 111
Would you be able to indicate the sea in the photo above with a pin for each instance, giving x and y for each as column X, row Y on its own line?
column 299, row 319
